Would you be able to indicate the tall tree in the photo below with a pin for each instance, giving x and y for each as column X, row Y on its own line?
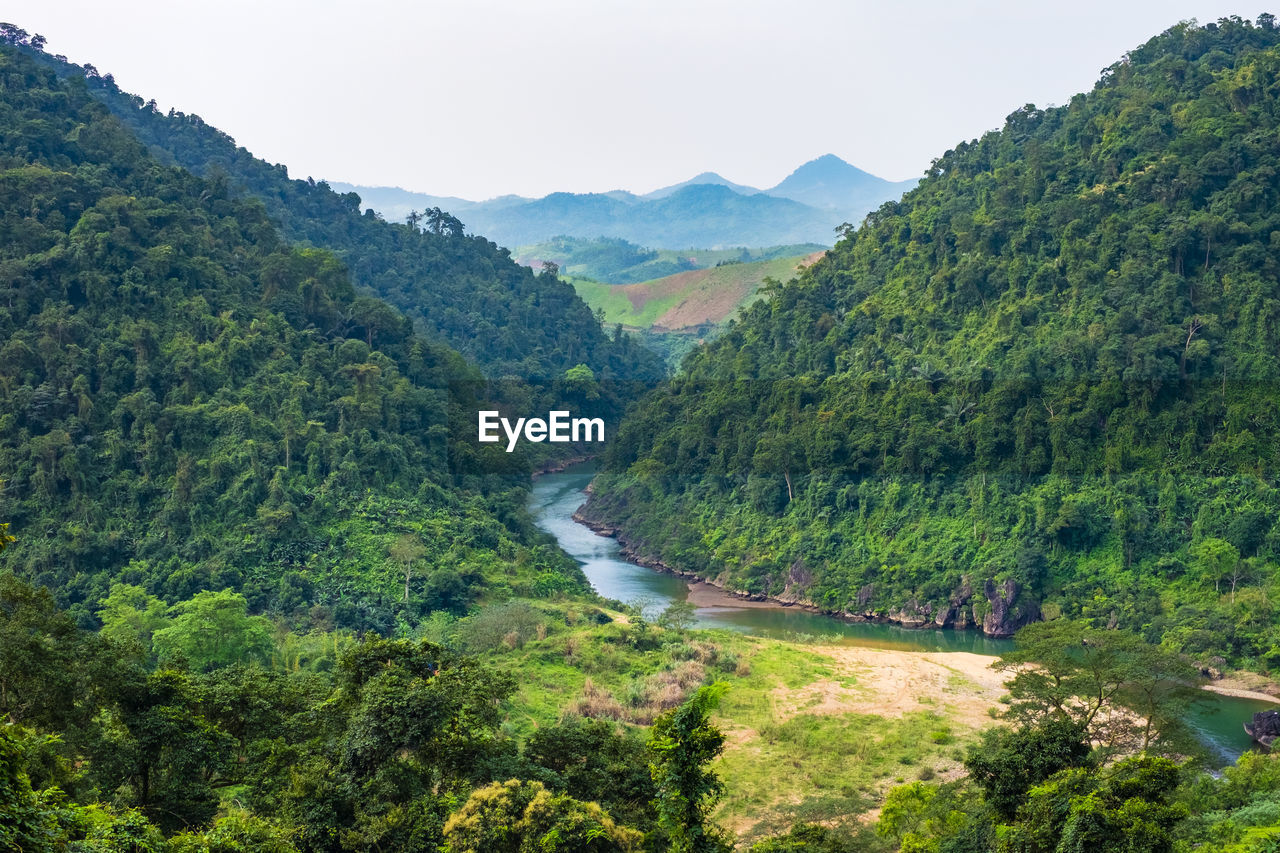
column 682, row 743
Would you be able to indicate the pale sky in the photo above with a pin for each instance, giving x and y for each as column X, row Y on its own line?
column 478, row 98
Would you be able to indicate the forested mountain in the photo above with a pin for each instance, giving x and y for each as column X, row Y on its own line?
column 1045, row 381
column 710, row 215
column 262, row 591
column 188, row 402
column 462, row 288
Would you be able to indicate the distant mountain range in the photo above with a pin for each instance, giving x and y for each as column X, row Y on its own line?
column 705, row 211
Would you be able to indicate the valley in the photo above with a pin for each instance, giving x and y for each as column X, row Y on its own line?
column 931, row 516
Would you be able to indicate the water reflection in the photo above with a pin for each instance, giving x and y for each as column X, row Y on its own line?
column 556, row 497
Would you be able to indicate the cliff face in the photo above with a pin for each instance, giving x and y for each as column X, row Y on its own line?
column 1009, row 611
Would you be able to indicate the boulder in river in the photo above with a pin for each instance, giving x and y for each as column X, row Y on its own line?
column 1264, row 728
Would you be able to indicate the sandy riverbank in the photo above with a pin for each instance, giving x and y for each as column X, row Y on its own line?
column 1240, row 693
column 890, row 683
column 703, row 594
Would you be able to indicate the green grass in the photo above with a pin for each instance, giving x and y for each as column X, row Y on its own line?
column 786, row 760
column 824, row 767
column 618, row 262
column 720, row 291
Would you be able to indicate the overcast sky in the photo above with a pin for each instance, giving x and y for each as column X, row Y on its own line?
column 477, row 98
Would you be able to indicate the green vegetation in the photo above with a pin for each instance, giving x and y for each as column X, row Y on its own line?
column 1050, row 784
column 188, row 403
column 331, row 743
column 463, row 290
column 683, row 742
column 416, row 744
column 1044, row 381
column 688, row 300
column 615, row 261
column 266, row 594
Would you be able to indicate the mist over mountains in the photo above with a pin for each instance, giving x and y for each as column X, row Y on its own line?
column 707, row 210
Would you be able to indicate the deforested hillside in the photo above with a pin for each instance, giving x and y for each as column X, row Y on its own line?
column 1045, row 382
column 188, row 402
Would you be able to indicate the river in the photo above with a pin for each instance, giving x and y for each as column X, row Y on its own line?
column 556, row 497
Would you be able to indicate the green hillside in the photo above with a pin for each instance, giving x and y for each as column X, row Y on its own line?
column 262, row 592
column 1043, row 383
column 687, row 300
column 615, row 261
column 190, row 403
column 458, row 287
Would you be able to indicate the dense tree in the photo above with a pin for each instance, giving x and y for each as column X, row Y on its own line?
column 213, row 629
column 189, row 403
column 1127, row 807
column 524, row 817
column 461, row 289
column 682, row 743
column 1043, row 379
column 598, row 761
column 1007, row 764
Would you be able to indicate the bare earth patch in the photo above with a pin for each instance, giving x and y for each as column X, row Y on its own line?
column 840, row 778
column 892, row 683
column 1228, row 689
column 702, row 594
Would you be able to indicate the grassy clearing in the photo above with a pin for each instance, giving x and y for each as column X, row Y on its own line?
column 795, row 751
column 686, row 299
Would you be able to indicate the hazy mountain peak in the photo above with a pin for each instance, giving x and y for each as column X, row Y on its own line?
column 700, row 179
column 706, row 210
column 830, row 182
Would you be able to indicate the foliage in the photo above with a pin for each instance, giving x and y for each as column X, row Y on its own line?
column 1048, row 371
column 1110, row 688
column 130, row 616
column 597, row 761
column 524, row 817
column 238, row 831
column 678, row 616
column 1007, row 764
column 460, row 289
column 1125, row 808
column 29, row 819
column 683, row 742
column 189, row 403
column 212, row 629
column 807, row 838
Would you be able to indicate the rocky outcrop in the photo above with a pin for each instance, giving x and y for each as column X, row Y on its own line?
column 913, row 614
column 998, row 612
column 957, row 613
column 797, row 584
column 1265, row 727
column 1008, row 612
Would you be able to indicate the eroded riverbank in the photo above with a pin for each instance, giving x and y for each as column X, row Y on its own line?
column 557, row 497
